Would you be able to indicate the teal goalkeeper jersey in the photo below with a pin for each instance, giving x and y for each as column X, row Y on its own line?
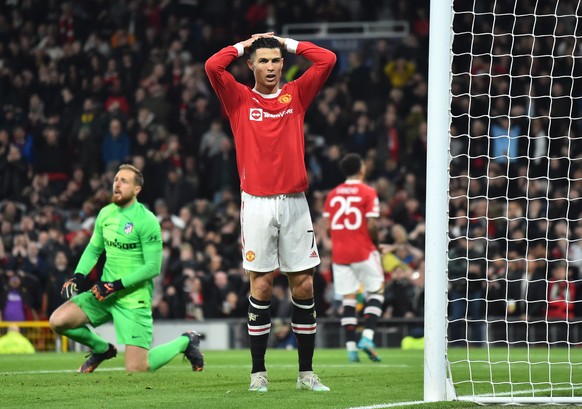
column 132, row 240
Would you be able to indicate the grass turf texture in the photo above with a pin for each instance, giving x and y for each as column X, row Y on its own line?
column 49, row 380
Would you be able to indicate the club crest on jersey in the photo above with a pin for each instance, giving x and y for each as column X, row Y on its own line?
column 285, row 98
column 256, row 114
column 250, row 256
column 128, row 228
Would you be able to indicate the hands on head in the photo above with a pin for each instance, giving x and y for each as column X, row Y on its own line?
column 247, row 43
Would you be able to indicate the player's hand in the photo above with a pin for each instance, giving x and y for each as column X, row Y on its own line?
column 103, row 289
column 77, row 284
column 247, row 43
column 267, row 34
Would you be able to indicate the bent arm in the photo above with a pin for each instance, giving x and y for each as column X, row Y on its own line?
column 151, row 268
column 313, row 79
column 221, row 80
column 88, row 259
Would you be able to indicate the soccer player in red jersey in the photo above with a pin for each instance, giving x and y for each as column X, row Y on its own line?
column 352, row 209
column 277, row 232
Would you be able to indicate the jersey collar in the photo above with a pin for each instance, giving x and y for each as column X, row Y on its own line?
column 268, row 96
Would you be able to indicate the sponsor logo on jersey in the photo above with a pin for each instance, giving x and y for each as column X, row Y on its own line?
column 257, row 114
column 128, row 228
column 285, row 98
column 119, row 245
column 250, row 256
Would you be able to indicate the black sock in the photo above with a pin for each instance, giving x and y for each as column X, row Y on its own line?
column 304, row 326
column 259, row 327
column 373, row 310
column 349, row 321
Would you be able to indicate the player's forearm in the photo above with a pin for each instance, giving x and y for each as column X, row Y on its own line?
column 221, row 80
column 322, row 58
column 216, row 68
column 219, row 61
column 88, row 259
column 151, row 268
column 313, row 79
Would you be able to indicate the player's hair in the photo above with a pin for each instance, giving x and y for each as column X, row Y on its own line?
column 350, row 164
column 264, row 42
column 138, row 175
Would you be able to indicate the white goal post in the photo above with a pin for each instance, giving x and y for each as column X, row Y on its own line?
column 503, row 291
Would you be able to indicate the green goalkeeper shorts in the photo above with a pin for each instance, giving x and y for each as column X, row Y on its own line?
column 132, row 326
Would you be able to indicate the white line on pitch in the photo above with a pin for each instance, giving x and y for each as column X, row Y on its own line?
column 51, row 371
column 389, row 405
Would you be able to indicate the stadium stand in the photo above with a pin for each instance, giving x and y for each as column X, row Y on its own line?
column 87, row 84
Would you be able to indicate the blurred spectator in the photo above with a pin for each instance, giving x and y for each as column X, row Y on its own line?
column 13, row 342
column 15, row 300
column 60, row 270
column 178, row 192
column 389, row 136
column 86, row 137
column 399, row 71
column 360, row 135
column 330, row 171
column 54, row 159
column 116, row 145
column 283, row 335
column 505, row 142
column 221, row 297
column 194, row 305
column 281, row 305
column 221, row 172
column 561, row 301
column 13, row 169
column 399, row 294
column 402, row 248
column 467, row 275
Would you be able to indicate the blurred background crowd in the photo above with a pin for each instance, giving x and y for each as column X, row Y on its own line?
column 87, row 85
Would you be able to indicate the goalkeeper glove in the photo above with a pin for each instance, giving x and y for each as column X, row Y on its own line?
column 75, row 285
column 101, row 290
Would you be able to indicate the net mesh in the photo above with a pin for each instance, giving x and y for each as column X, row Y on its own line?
column 515, row 185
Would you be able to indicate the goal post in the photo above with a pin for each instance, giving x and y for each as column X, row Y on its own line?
column 503, row 289
column 438, row 123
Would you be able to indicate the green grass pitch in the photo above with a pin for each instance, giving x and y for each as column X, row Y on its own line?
column 49, row 380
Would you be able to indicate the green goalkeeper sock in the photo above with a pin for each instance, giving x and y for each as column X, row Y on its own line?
column 161, row 355
column 83, row 335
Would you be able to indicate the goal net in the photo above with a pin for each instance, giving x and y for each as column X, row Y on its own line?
column 514, row 242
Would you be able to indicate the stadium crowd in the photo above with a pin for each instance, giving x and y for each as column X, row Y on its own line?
column 87, row 85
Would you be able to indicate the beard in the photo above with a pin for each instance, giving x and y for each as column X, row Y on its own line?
column 122, row 201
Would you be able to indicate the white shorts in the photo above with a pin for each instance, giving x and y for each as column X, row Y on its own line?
column 277, row 233
column 348, row 277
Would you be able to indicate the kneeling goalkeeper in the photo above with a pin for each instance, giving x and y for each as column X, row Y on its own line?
column 130, row 235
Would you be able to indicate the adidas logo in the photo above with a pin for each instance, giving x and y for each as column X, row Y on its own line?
column 313, row 254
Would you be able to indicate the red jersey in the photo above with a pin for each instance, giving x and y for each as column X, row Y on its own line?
column 561, row 296
column 268, row 129
column 347, row 207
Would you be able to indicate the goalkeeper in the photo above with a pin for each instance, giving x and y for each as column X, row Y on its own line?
column 130, row 235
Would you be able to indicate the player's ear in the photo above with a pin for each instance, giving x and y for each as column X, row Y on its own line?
column 250, row 64
column 137, row 189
